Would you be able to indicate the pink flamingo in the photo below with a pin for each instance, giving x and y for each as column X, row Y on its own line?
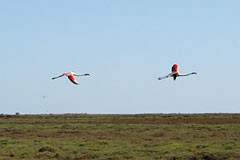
column 71, row 77
column 175, row 73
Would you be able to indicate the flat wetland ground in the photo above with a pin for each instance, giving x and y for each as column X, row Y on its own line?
column 110, row 137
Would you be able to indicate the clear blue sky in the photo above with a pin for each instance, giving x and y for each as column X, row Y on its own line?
column 124, row 45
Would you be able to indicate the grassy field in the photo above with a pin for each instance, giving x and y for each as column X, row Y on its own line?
column 143, row 136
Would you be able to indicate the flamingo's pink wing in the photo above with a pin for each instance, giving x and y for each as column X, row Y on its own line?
column 175, row 68
column 72, row 79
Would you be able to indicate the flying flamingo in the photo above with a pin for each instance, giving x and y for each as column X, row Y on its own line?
column 175, row 73
column 71, row 77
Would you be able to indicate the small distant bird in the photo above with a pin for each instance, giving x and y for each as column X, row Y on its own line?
column 71, row 77
column 175, row 73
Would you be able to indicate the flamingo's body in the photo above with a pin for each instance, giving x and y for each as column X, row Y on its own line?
column 175, row 73
column 71, row 77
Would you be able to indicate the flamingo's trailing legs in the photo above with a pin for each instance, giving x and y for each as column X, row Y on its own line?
column 175, row 73
column 71, row 77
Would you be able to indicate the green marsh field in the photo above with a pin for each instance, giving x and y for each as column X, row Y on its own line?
column 117, row 137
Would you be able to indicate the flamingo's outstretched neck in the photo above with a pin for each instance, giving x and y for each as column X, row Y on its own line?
column 187, row 74
column 57, row 77
column 82, row 74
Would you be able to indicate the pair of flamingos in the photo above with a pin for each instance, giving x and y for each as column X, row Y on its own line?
column 175, row 73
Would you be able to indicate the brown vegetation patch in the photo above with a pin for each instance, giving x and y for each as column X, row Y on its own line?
column 46, row 149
